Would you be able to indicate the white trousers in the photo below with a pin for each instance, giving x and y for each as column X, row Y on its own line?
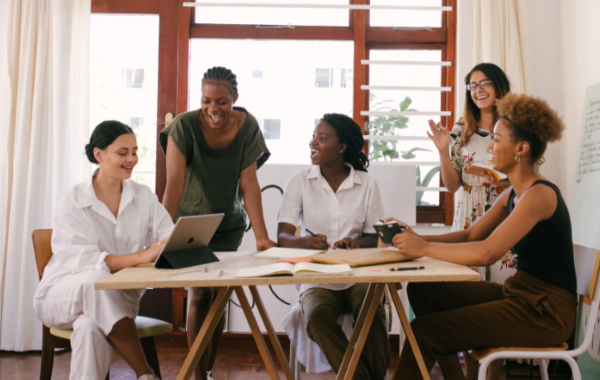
column 74, row 303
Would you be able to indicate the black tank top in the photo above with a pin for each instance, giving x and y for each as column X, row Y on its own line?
column 546, row 252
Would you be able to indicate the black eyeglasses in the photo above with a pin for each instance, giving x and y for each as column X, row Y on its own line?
column 483, row 84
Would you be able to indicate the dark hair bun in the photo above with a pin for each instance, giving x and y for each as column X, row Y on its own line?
column 104, row 134
column 89, row 152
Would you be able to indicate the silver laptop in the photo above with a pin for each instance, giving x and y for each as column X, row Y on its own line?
column 190, row 234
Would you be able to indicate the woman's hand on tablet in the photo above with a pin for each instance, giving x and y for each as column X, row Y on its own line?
column 149, row 255
column 410, row 244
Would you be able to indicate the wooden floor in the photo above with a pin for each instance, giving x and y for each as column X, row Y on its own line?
column 238, row 359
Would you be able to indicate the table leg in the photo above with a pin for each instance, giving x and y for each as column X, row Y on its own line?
column 357, row 327
column 272, row 334
column 364, row 331
column 205, row 334
column 408, row 330
column 258, row 338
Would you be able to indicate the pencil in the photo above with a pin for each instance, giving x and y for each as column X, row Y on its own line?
column 310, row 232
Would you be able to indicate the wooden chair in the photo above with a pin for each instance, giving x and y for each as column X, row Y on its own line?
column 53, row 337
column 488, row 355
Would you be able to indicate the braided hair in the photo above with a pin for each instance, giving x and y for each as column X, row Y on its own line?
column 219, row 73
column 350, row 134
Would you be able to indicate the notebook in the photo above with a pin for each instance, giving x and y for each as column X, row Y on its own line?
column 478, row 168
column 287, row 268
column 286, row 253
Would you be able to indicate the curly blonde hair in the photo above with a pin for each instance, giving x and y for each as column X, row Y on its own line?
column 532, row 120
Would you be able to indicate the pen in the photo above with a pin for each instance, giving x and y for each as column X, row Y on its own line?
column 406, row 268
column 310, row 232
column 221, row 273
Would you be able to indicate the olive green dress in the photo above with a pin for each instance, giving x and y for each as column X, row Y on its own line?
column 212, row 176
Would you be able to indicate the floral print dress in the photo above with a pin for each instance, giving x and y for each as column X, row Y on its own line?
column 475, row 195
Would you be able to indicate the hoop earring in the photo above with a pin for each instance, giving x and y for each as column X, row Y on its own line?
column 517, row 158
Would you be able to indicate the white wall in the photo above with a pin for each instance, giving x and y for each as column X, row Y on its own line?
column 580, row 40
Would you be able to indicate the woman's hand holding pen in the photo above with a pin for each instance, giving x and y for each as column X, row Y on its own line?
column 439, row 135
column 314, row 241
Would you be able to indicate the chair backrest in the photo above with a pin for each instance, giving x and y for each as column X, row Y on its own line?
column 42, row 248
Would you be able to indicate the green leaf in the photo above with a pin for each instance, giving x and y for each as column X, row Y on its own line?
column 391, row 153
column 429, row 175
column 409, row 155
column 405, row 103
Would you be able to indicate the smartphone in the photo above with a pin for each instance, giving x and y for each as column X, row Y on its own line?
column 387, row 231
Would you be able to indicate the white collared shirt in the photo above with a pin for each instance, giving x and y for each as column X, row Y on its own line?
column 351, row 211
column 85, row 231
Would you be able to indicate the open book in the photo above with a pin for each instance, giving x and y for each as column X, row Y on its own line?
column 478, row 168
column 286, row 253
column 286, row 268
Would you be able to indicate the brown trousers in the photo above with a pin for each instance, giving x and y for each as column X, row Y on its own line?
column 459, row 316
column 322, row 308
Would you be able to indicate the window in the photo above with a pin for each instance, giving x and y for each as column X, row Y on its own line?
column 313, row 57
column 324, row 78
column 287, row 93
column 271, row 129
column 118, row 41
column 133, row 78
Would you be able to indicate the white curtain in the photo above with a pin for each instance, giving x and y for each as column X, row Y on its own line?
column 496, row 38
column 44, row 126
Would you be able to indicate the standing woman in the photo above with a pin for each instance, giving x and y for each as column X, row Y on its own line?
column 468, row 143
column 100, row 227
column 534, row 308
column 212, row 157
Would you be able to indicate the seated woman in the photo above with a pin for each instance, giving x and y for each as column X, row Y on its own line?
column 535, row 307
column 100, row 227
column 338, row 201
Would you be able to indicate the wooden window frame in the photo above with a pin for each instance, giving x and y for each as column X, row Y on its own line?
column 365, row 38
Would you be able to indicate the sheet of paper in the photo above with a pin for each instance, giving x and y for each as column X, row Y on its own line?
column 286, row 253
column 266, row 270
column 323, row 268
column 585, row 202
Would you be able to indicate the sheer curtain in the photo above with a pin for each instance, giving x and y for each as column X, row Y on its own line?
column 496, row 38
column 44, row 126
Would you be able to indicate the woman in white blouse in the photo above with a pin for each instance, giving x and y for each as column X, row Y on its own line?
column 339, row 202
column 100, row 227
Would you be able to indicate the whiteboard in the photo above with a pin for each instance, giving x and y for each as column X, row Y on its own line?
column 585, row 204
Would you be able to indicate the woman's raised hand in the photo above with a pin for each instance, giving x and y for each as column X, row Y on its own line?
column 440, row 136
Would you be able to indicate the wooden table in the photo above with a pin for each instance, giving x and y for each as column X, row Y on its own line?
column 142, row 277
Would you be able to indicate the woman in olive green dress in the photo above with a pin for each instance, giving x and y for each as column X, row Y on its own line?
column 212, row 157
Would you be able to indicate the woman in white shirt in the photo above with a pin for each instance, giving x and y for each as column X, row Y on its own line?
column 339, row 202
column 100, row 227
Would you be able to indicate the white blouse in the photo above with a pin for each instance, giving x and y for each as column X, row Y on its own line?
column 85, row 231
column 351, row 211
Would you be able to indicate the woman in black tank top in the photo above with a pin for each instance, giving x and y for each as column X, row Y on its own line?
column 534, row 308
